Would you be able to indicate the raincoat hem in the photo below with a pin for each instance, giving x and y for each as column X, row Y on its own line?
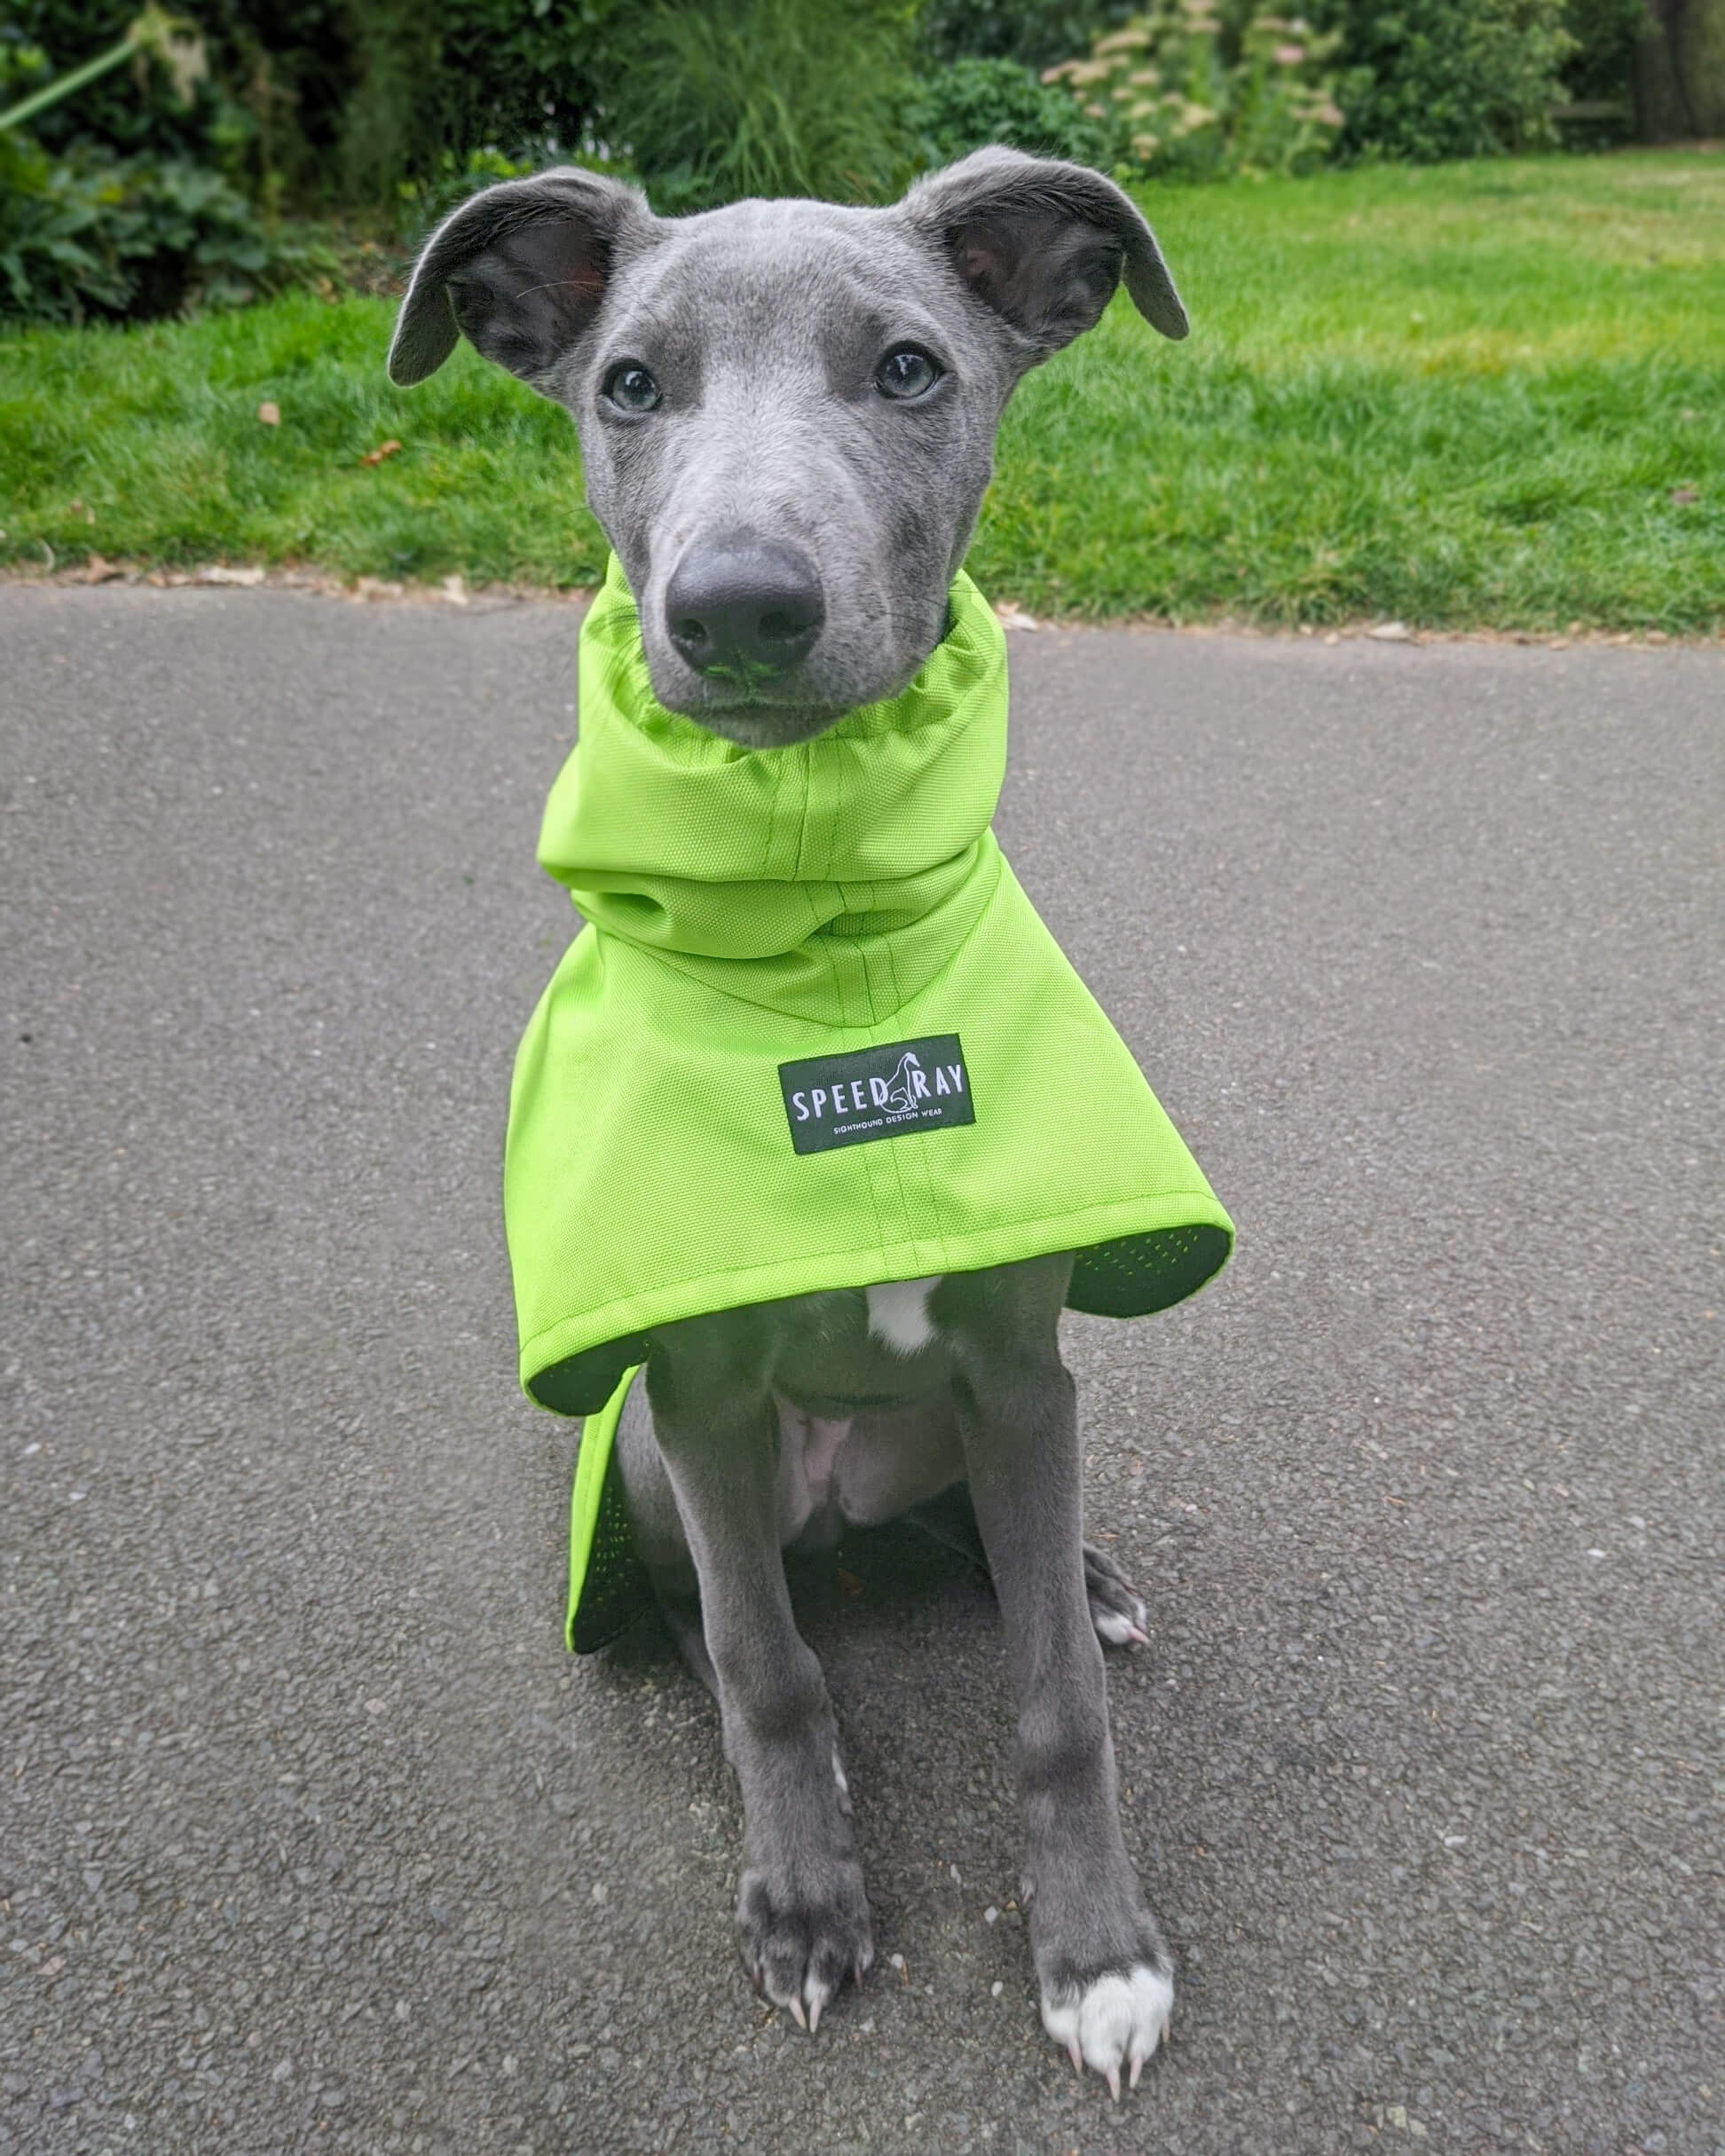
column 823, row 1271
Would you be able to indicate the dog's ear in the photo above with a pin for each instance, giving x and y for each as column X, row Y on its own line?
column 1045, row 244
column 519, row 270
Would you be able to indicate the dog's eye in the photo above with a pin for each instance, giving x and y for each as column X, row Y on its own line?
column 906, row 372
column 631, row 386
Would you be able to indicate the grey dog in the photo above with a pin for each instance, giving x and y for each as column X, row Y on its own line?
column 787, row 415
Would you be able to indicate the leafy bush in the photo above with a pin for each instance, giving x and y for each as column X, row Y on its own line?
column 973, row 102
column 1432, row 78
column 1196, row 93
column 92, row 236
column 1034, row 33
column 143, row 108
column 433, row 85
column 1598, row 77
column 723, row 98
column 1601, row 64
column 310, row 102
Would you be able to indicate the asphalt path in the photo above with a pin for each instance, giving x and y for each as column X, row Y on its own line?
column 312, row 1837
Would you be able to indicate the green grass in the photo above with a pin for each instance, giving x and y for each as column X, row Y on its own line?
column 1458, row 396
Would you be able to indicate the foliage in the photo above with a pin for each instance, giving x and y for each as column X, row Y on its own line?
column 434, row 85
column 1602, row 61
column 1034, row 33
column 725, row 99
column 136, row 107
column 315, row 101
column 90, row 236
column 1431, row 79
column 1196, row 93
column 1486, row 393
column 962, row 107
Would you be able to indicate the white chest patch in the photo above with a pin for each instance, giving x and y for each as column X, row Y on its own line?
column 898, row 1313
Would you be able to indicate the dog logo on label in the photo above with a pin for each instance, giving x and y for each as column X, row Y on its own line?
column 902, row 1089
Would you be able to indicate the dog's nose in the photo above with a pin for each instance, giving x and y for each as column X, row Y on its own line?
column 745, row 607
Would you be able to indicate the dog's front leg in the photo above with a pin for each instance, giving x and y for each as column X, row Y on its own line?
column 1107, row 1979
column 801, row 1909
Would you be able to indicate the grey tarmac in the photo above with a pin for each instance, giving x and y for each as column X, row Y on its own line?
column 312, row 1837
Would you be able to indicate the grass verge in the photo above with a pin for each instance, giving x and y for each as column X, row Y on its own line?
column 1484, row 395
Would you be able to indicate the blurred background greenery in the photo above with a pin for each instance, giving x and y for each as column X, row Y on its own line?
column 247, row 144
column 1461, row 342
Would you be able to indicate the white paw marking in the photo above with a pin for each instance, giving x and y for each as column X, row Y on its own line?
column 1111, row 1627
column 898, row 1313
column 1118, row 2021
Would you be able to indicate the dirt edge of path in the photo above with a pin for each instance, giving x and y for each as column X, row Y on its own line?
column 455, row 591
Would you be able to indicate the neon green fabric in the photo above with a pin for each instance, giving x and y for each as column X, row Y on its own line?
column 750, row 912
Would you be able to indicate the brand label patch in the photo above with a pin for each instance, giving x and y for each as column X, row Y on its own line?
column 876, row 1093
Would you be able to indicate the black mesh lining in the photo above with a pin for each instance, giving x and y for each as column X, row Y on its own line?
column 616, row 1589
column 581, row 1384
column 1141, row 1273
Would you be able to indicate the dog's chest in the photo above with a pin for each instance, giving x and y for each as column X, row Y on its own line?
column 865, row 1420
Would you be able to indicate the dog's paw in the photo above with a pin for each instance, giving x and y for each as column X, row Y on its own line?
column 1117, row 1613
column 799, row 1945
column 1117, row 2019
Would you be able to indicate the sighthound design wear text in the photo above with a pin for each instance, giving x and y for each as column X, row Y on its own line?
column 876, row 1093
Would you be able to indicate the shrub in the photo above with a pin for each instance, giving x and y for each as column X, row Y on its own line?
column 1196, row 93
column 723, row 98
column 1034, row 33
column 1431, row 79
column 93, row 236
column 433, row 85
column 1600, row 65
column 973, row 102
column 144, row 107
column 316, row 101
column 1604, row 35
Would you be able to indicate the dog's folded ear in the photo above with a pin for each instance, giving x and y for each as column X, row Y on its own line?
column 1045, row 244
column 520, row 270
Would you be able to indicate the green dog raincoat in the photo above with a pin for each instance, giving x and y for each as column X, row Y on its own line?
column 812, row 1035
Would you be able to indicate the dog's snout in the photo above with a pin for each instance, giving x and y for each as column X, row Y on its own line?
column 743, row 607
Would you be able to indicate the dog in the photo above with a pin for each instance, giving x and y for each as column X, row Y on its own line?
column 787, row 413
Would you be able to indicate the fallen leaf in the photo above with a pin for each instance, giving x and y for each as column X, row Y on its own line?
column 1684, row 495
column 219, row 573
column 1391, row 633
column 269, row 415
column 378, row 455
column 849, row 1584
column 98, row 570
column 454, row 589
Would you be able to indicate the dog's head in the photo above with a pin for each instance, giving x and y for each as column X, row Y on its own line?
column 786, row 409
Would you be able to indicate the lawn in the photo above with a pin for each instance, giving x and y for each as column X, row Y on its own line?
column 1486, row 393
